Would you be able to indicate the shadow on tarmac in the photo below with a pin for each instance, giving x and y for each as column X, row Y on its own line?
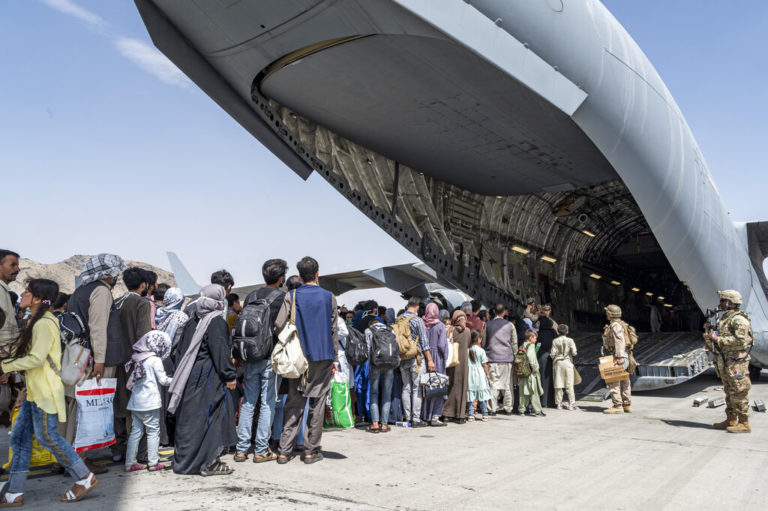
column 686, row 424
column 331, row 455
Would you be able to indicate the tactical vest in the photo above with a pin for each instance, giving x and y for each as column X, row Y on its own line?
column 725, row 327
column 630, row 337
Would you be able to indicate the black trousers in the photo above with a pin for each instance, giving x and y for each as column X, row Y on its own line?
column 547, row 375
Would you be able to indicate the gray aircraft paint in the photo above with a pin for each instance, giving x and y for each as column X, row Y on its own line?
column 574, row 55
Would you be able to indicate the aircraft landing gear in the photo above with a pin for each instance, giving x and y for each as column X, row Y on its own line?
column 754, row 372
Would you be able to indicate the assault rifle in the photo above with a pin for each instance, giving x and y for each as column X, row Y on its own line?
column 710, row 325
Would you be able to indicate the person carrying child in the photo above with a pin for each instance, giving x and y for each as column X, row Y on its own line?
column 530, row 385
column 478, row 388
column 38, row 354
column 145, row 376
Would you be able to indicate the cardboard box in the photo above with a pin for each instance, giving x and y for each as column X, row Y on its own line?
column 610, row 372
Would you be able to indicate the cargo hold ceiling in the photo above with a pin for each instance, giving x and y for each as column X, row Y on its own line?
column 433, row 105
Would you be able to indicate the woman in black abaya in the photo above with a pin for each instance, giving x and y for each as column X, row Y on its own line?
column 200, row 399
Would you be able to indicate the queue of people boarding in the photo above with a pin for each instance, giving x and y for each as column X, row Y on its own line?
column 216, row 376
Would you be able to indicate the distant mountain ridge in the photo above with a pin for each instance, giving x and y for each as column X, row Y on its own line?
column 64, row 272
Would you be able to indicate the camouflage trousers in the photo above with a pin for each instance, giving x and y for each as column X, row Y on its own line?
column 621, row 392
column 736, row 384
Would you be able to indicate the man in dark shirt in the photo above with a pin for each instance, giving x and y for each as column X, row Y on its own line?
column 547, row 334
column 135, row 315
column 259, row 378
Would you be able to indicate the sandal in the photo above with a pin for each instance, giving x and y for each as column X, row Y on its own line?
column 384, row 429
column 219, row 468
column 371, row 429
column 313, row 458
column 135, row 467
column 470, row 419
column 267, row 456
column 156, row 467
column 239, row 458
column 282, row 460
column 16, row 502
column 80, row 489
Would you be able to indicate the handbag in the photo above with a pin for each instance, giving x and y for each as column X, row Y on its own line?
column 288, row 358
column 434, row 385
column 453, row 355
column 75, row 358
column 576, row 377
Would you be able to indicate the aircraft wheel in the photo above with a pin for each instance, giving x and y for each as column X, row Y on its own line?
column 754, row 372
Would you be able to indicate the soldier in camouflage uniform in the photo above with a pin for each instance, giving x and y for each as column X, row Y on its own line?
column 731, row 344
column 615, row 343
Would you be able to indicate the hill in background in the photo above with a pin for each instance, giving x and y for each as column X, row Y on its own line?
column 64, row 272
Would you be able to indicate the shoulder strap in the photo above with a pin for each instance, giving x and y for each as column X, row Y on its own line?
column 56, row 369
column 272, row 296
column 293, row 308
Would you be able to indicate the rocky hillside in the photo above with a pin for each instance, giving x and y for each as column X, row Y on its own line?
column 64, row 273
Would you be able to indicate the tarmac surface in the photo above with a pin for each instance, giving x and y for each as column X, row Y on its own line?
column 664, row 455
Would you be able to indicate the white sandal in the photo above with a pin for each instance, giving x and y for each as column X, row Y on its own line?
column 89, row 483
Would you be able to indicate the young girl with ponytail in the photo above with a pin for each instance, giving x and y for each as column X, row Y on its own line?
column 38, row 354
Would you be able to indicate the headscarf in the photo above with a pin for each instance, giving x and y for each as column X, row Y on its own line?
column 172, row 302
column 458, row 315
column 528, row 322
column 431, row 315
column 390, row 317
column 153, row 343
column 101, row 266
column 210, row 304
column 444, row 314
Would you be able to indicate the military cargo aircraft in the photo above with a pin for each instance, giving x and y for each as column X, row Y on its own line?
column 519, row 148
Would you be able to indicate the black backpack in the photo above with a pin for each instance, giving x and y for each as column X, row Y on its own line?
column 73, row 329
column 252, row 340
column 356, row 349
column 385, row 352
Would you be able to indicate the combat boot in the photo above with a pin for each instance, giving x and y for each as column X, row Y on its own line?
column 741, row 427
column 730, row 421
column 614, row 409
column 627, row 409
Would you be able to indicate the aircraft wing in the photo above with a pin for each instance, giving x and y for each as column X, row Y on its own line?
column 412, row 279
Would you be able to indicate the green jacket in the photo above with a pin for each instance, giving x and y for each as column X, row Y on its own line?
column 532, row 384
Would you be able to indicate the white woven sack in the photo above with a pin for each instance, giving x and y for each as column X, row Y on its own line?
column 288, row 358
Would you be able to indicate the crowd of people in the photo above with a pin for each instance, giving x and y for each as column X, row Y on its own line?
column 182, row 382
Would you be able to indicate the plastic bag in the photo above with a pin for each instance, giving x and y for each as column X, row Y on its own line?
column 40, row 456
column 95, row 415
column 338, row 412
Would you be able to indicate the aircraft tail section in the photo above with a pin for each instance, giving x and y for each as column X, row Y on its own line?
column 184, row 279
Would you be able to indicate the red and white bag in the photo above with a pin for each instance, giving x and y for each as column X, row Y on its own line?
column 95, row 417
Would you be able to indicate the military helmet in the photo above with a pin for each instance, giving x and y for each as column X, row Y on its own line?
column 613, row 311
column 732, row 295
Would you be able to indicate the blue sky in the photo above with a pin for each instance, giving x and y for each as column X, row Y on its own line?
column 104, row 147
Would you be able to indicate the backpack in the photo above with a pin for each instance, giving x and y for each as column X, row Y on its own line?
column 521, row 364
column 75, row 350
column 408, row 347
column 385, row 352
column 356, row 349
column 253, row 338
column 288, row 358
column 630, row 336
